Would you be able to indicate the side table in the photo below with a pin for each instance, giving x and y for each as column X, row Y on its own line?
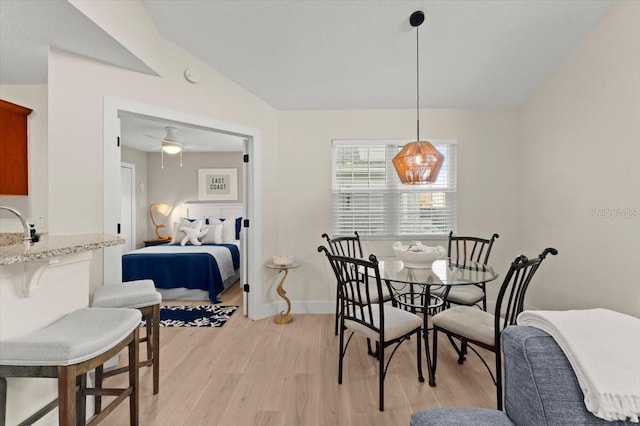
column 149, row 243
column 283, row 317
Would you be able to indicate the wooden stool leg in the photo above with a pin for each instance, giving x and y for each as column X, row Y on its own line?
column 156, row 348
column 66, row 395
column 98, row 385
column 148, row 312
column 133, row 378
column 81, row 399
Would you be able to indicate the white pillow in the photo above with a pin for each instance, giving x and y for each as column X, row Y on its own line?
column 214, row 236
column 229, row 230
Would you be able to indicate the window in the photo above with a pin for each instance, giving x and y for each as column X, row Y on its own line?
column 367, row 195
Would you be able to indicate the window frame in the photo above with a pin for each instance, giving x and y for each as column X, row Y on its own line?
column 393, row 190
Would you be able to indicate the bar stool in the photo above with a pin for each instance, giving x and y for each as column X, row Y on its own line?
column 69, row 348
column 141, row 295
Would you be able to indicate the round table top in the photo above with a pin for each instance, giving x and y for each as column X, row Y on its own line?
column 442, row 272
column 272, row 265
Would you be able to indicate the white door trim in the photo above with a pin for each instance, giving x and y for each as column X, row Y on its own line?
column 252, row 191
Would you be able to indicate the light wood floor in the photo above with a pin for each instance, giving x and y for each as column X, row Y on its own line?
column 259, row 373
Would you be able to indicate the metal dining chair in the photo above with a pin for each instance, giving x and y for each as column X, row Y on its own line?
column 470, row 325
column 364, row 312
column 462, row 250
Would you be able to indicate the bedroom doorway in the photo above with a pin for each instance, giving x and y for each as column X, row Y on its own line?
column 127, row 205
column 251, row 274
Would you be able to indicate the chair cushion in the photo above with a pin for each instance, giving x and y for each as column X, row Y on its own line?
column 465, row 294
column 396, row 323
column 459, row 416
column 78, row 336
column 130, row 294
column 469, row 322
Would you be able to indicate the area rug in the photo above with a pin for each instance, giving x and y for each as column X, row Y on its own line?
column 194, row 316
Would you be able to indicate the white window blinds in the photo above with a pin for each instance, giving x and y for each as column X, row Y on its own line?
column 369, row 198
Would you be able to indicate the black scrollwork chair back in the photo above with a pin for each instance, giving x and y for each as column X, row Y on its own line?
column 364, row 312
column 475, row 327
column 461, row 251
column 348, row 246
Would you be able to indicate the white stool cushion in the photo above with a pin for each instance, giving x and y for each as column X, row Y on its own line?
column 130, row 294
column 78, row 336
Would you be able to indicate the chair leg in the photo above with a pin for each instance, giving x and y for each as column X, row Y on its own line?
column 381, row 376
column 419, row 343
column 155, row 333
column 341, row 354
column 337, row 311
column 133, row 378
column 3, row 400
column 66, row 395
column 434, row 363
column 463, row 352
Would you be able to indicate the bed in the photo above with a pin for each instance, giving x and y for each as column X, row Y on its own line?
column 192, row 271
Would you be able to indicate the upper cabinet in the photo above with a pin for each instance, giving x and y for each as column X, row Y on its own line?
column 14, row 162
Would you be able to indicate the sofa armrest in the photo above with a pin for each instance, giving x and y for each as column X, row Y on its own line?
column 540, row 385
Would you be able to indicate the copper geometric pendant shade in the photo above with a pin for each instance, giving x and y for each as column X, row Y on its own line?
column 418, row 162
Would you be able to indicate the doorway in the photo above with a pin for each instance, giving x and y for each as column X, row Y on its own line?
column 251, row 273
column 127, row 204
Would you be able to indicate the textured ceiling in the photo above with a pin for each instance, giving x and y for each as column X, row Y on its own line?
column 29, row 27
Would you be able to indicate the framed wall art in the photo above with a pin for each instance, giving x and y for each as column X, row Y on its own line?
column 218, row 184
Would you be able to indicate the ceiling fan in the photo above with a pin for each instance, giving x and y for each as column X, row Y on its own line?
column 170, row 144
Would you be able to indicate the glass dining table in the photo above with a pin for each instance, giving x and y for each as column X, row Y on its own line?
column 412, row 288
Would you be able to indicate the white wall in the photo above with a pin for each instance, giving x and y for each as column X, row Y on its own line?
column 579, row 164
column 487, row 188
column 76, row 89
column 175, row 185
column 36, row 203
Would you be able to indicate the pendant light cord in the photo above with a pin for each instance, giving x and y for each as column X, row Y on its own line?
column 417, row 85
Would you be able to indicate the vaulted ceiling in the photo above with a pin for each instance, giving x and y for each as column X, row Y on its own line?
column 318, row 54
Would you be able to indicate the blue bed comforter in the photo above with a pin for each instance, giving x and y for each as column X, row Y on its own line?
column 173, row 270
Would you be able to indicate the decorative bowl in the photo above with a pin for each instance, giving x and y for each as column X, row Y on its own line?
column 418, row 256
column 283, row 259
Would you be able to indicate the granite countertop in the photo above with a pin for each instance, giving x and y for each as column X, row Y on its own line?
column 56, row 245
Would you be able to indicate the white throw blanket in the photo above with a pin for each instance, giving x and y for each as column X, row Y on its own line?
column 603, row 348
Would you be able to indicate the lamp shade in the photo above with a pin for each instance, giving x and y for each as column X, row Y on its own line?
column 164, row 210
column 418, row 163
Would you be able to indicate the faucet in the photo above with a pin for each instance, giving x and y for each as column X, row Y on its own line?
column 25, row 225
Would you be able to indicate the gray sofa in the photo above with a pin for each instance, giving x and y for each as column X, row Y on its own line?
column 540, row 388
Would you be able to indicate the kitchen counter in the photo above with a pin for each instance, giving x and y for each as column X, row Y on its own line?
column 56, row 245
column 39, row 284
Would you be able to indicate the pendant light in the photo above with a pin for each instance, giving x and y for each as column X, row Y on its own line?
column 418, row 162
